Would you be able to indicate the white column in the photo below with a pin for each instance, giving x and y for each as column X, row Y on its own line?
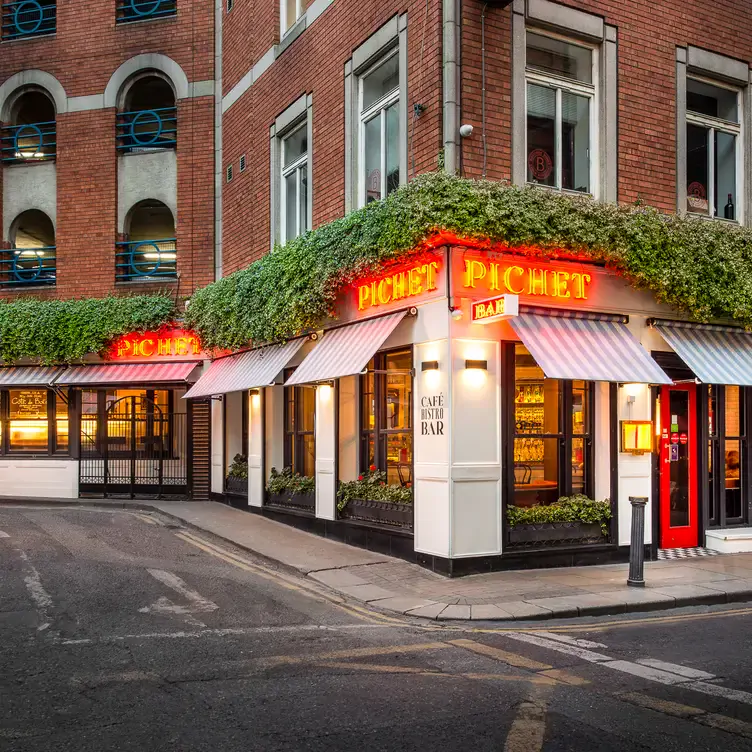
column 217, row 447
column 256, row 475
column 326, row 479
column 349, row 431
column 274, row 403
column 233, row 432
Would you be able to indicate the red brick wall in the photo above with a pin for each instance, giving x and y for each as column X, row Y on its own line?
column 84, row 53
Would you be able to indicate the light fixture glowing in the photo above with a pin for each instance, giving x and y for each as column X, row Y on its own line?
column 429, row 365
column 476, row 364
column 326, row 392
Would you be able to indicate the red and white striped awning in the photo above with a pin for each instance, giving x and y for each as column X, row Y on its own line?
column 118, row 374
column 28, row 375
column 346, row 350
column 591, row 347
column 247, row 370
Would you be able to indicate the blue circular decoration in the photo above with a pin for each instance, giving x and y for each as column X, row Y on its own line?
column 21, row 273
column 142, row 267
column 141, row 116
column 25, row 128
column 136, row 4
column 28, row 25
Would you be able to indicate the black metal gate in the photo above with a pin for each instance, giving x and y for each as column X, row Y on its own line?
column 136, row 448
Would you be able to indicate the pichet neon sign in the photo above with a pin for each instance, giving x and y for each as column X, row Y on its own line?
column 169, row 344
column 399, row 285
column 525, row 280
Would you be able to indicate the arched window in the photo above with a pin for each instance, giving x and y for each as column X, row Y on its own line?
column 148, row 119
column 149, row 253
column 31, row 134
column 143, row 10
column 31, row 259
column 28, row 18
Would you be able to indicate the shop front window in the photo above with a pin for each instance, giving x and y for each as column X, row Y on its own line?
column 300, row 441
column 386, row 397
column 552, row 435
column 34, row 421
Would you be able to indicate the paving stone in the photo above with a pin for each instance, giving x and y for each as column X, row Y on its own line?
column 641, row 599
column 489, row 612
column 737, row 591
column 455, row 612
column 523, row 610
column 402, row 605
column 690, row 595
column 561, row 607
column 367, row 592
column 337, row 578
column 428, row 612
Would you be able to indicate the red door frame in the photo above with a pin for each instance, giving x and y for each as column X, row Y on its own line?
column 686, row 536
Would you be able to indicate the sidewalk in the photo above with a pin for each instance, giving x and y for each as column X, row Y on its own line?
column 399, row 586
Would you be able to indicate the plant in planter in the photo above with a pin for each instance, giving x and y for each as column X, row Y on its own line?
column 291, row 489
column 237, row 475
column 570, row 518
column 371, row 498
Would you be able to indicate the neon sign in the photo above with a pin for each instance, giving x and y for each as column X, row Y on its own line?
column 399, row 285
column 167, row 344
column 525, row 280
column 494, row 309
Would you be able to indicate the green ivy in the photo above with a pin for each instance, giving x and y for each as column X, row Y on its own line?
column 372, row 486
column 289, row 482
column 64, row 331
column 700, row 267
column 577, row 508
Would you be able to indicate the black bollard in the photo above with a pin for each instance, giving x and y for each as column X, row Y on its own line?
column 637, row 543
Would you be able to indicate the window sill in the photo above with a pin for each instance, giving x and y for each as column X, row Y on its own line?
column 697, row 215
column 30, row 37
column 135, row 21
column 291, row 35
column 564, row 191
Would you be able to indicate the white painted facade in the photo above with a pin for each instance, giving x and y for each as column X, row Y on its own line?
column 46, row 478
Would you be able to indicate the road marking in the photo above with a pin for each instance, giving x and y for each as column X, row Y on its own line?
column 646, row 672
column 572, row 640
column 39, row 595
column 519, row 661
column 675, row 668
column 528, row 730
column 534, row 639
column 3, row 534
column 565, row 677
column 199, row 604
column 717, row 690
column 146, row 518
column 356, row 653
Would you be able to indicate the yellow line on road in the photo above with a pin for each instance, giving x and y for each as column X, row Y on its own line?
column 355, row 653
column 513, row 659
column 145, row 518
column 528, row 729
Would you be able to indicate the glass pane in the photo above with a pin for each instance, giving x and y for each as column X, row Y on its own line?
column 706, row 99
column 733, row 472
column 370, row 457
column 575, row 142
column 291, row 206
column 536, row 398
column 308, row 454
column 372, row 146
column 579, row 466
column 734, row 411
column 712, row 410
column 88, row 417
column 392, row 149
column 380, row 82
column 559, row 57
column 367, row 404
column 28, row 429
column 712, row 493
column 290, row 398
column 399, row 386
column 303, row 199
column 399, row 458
column 61, row 424
column 295, row 146
column 291, row 13
column 697, row 169
column 580, row 406
column 536, row 472
column 307, row 407
column 541, row 136
column 725, row 175
column 679, row 468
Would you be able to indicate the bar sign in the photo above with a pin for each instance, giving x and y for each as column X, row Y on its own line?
column 495, row 309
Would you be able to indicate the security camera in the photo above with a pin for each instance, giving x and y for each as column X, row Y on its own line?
column 457, row 314
column 466, row 130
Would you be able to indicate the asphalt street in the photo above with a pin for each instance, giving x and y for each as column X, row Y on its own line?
column 122, row 631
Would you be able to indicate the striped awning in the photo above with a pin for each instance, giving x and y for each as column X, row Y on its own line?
column 247, row 370
column 345, row 351
column 591, row 347
column 116, row 374
column 28, row 375
column 716, row 354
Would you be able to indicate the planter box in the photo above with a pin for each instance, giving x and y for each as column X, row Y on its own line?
column 556, row 534
column 304, row 502
column 238, row 486
column 382, row 512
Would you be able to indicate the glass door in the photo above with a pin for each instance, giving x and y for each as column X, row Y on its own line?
column 678, row 467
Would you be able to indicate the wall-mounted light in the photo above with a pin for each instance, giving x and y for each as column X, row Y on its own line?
column 325, row 390
column 480, row 365
column 255, row 398
column 429, row 365
column 636, row 436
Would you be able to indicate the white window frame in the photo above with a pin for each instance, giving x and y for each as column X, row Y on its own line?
column 285, row 24
column 560, row 84
column 724, row 126
column 377, row 109
column 285, row 172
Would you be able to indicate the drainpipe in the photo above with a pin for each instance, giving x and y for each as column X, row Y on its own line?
column 218, row 171
column 451, row 87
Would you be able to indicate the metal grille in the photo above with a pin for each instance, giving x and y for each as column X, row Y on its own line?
column 142, row 10
column 28, row 18
column 136, row 448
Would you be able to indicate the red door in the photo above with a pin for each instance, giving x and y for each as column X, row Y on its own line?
column 678, row 458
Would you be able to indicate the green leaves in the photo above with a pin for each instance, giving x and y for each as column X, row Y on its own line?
column 64, row 331
column 699, row 267
column 577, row 508
column 289, row 482
column 372, row 486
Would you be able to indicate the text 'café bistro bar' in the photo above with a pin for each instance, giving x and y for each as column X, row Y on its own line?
column 460, row 396
column 113, row 426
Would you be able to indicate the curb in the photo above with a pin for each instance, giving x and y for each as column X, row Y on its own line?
column 427, row 610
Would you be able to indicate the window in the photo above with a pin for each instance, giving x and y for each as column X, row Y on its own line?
column 386, row 416
column 294, row 184
column 290, row 12
column 28, row 18
column 553, row 450
column 561, row 111
column 379, row 107
column 300, row 439
column 34, row 421
column 144, row 10
column 713, row 149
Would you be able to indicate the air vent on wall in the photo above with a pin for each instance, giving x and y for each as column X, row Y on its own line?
column 242, row 162
column 230, row 3
column 229, row 173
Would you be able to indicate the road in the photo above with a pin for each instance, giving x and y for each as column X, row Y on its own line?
column 121, row 631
